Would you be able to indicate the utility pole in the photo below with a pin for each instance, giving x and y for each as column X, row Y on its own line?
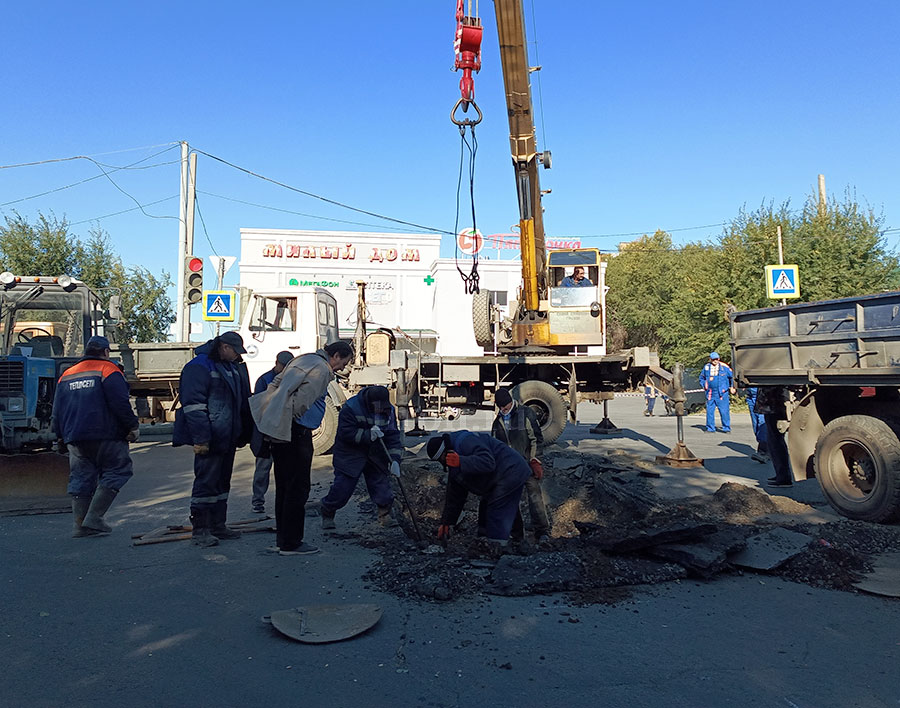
column 781, row 255
column 189, row 234
column 182, row 244
column 823, row 198
column 219, row 284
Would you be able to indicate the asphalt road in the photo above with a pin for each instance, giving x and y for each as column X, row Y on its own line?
column 98, row 622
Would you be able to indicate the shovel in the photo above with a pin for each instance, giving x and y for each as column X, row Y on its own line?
column 412, row 514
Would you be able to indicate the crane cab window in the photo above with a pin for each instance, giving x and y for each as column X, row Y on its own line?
column 274, row 315
column 574, row 277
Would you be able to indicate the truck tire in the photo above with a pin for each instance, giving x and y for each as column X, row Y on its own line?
column 323, row 436
column 547, row 404
column 857, row 463
column 481, row 319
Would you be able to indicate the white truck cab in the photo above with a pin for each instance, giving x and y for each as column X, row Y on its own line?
column 298, row 320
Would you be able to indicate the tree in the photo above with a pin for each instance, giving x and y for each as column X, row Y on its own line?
column 48, row 248
column 678, row 299
column 42, row 249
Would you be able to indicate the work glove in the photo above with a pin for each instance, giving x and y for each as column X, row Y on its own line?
column 201, row 449
column 443, row 532
column 537, row 469
column 452, row 459
column 375, row 433
column 133, row 435
column 61, row 447
column 395, row 468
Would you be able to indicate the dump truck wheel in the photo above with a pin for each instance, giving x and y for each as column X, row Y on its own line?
column 323, row 436
column 857, row 463
column 481, row 319
column 547, row 404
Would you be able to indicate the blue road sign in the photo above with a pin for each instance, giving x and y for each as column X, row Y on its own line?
column 782, row 281
column 218, row 305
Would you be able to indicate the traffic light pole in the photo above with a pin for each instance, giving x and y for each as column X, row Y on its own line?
column 189, row 232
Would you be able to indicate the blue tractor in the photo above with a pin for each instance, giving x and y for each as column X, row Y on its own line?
column 44, row 324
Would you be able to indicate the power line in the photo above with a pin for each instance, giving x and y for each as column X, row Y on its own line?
column 124, row 211
column 296, row 213
column 324, row 199
column 113, row 168
column 85, row 157
column 203, row 223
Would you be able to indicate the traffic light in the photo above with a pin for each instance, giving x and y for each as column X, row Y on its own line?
column 193, row 279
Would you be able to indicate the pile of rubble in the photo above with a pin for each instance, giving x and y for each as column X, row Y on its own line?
column 611, row 532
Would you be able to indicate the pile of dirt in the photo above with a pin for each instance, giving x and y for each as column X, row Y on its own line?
column 610, row 532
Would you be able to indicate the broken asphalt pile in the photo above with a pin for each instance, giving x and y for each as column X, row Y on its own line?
column 610, row 532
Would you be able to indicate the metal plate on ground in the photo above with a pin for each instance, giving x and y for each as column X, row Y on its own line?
column 318, row 624
column 885, row 576
column 766, row 551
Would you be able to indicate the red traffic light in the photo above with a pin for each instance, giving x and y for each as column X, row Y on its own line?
column 194, row 264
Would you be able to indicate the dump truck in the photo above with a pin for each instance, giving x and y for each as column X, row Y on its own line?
column 836, row 366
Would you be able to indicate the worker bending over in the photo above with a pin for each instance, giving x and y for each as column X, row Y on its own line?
column 482, row 465
column 367, row 443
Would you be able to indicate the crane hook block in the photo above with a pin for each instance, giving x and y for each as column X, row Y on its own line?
column 467, row 48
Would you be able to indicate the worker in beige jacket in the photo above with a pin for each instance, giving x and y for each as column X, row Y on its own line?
column 278, row 412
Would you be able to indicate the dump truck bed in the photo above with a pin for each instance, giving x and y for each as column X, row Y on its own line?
column 847, row 342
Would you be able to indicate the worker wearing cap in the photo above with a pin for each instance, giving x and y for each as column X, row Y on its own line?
column 214, row 418
column 518, row 427
column 92, row 416
column 259, row 445
column 481, row 464
column 367, row 444
column 717, row 380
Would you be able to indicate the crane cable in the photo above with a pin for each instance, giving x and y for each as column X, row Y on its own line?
column 470, row 281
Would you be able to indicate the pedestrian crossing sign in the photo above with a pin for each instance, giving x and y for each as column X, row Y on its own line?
column 782, row 281
column 218, row 305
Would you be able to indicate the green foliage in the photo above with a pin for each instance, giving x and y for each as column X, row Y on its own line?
column 42, row 249
column 48, row 248
column 678, row 300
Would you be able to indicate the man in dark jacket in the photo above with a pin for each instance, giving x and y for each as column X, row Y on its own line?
column 92, row 415
column 215, row 419
column 518, row 427
column 367, row 443
column 483, row 465
column 260, row 447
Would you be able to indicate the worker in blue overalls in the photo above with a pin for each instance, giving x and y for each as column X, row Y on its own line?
column 717, row 380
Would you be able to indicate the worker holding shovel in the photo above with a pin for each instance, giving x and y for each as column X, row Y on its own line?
column 366, row 426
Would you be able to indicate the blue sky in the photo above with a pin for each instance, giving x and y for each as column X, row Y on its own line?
column 658, row 114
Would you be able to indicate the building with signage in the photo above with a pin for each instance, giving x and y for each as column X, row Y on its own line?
column 408, row 285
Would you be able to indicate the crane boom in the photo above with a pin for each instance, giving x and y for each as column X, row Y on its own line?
column 523, row 146
column 553, row 312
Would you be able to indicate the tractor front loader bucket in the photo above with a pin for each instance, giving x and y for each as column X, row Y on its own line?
column 34, row 484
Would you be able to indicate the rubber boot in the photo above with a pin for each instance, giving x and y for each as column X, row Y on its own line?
column 100, row 503
column 385, row 518
column 201, row 536
column 219, row 529
column 80, row 507
column 327, row 519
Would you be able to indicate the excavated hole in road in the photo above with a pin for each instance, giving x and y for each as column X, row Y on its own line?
column 610, row 533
